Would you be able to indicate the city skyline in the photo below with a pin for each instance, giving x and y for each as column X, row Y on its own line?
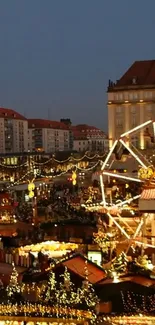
column 56, row 59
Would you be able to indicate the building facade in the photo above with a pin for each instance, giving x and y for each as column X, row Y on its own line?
column 47, row 136
column 89, row 138
column 131, row 102
column 13, row 132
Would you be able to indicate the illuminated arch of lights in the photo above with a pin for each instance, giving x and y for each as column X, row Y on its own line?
column 115, row 209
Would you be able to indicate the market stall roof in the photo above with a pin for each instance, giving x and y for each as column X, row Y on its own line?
column 76, row 264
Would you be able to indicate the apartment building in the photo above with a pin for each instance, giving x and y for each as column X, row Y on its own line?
column 89, row 138
column 48, row 136
column 13, row 131
column 131, row 102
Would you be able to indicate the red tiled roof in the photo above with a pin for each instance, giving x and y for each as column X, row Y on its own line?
column 39, row 123
column 83, row 131
column 148, row 194
column 10, row 113
column 142, row 71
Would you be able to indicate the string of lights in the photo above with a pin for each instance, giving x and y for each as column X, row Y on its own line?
column 73, row 167
column 69, row 159
column 13, row 166
column 58, row 298
column 140, row 319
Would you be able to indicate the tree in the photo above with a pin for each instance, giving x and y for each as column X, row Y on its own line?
column 50, row 293
column 66, row 293
column 86, row 294
column 13, row 287
column 120, row 263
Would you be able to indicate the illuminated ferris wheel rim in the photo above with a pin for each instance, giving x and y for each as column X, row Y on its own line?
column 122, row 141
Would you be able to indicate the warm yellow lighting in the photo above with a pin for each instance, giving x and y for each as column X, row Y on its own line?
column 136, row 128
column 109, row 154
column 133, row 154
column 126, row 101
column 119, row 227
column 115, row 277
column 109, row 102
column 102, row 190
column 122, row 176
column 127, row 201
column 31, row 187
column 31, row 194
column 141, row 100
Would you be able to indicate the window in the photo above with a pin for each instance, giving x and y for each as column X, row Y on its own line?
column 120, row 96
column 119, row 122
column 134, row 121
column 135, row 95
column 148, row 94
column 130, row 95
column 133, row 109
column 126, row 96
column 118, row 109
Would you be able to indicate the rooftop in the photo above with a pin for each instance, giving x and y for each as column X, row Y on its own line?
column 140, row 73
column 47, row 124
column 10, row 113
column 84, row 132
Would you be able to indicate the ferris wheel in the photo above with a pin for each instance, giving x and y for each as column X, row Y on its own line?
column 145, row 172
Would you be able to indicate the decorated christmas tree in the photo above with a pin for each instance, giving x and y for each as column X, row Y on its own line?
column 13, row 288
column 120, row 264
column 66, row 293
column 49, row 295
column 86, row 294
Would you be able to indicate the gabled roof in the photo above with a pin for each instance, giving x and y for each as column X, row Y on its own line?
column 140, row 73
column 11, row 114
column 75, row 263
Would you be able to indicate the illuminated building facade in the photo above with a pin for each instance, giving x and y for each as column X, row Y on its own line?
column 131, row 101
column 13, row 131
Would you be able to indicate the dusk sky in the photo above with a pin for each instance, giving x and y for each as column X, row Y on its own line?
column 56, row 56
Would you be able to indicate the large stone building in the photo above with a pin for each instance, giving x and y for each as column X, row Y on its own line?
column 47, row 136
column 131, row 101
column 13, row 131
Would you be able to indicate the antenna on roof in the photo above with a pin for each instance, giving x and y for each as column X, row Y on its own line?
column 49, row 114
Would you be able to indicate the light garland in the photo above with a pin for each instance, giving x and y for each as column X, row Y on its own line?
column 70, row 158
column 38, row 309
column 140, row 319
column 72, row 167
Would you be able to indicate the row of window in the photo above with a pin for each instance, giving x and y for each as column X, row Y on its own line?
column 133, row 109
column 132, row 95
